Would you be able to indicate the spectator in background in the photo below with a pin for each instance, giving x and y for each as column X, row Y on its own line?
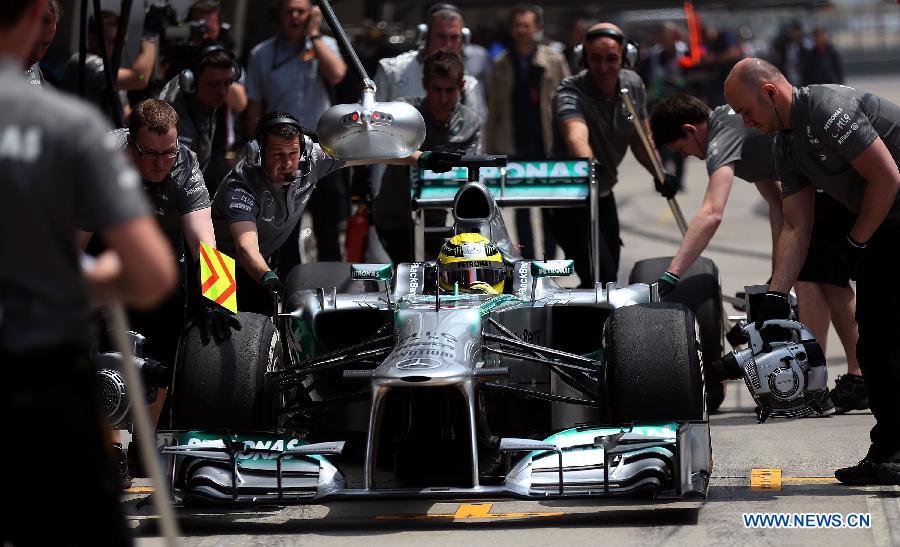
column 520, row 109
column 222, row 158
column 572, row 52
column 198, row 99
column 132, row 78
column 821, row 62
column 449, row 125
column 401, row 76
column 787, row 51
column 722, row 52
column 48, row 32
column 292, row 72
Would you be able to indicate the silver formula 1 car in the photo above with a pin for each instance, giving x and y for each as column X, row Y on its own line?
column 373, row 382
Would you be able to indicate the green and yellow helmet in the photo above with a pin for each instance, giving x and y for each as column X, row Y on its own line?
column 472, row 262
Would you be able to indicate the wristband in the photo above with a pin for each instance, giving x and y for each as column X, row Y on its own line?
column 267, row 276
column 855, row 244
column 670, row 278
column 315, row 36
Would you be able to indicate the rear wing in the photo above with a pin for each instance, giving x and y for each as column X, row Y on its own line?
column 544, row 183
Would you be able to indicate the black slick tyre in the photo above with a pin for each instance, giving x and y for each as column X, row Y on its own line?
column 224, row 386
column 699, row 290
column 653, row 369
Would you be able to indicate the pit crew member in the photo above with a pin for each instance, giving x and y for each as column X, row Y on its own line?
column 845, row 142
column 60, row 167
column 593, row 123
column 260, row 202
column 687, row 126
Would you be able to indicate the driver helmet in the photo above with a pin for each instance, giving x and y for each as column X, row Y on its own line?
column 471, row 262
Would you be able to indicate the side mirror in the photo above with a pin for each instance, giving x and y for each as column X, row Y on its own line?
column 370, row 272
column 552, row 268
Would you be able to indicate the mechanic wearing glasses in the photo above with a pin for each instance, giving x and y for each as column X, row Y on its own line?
column 593, row 123
column 260, row 202
column 174, row 185
column 845, row 142
column 686, row 125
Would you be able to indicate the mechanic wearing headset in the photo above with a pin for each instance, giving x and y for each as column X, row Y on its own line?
column 686, row 125
column 593, row 123
column 259, row 204
column 845, row 142
column 59, row 167
column 196, row 94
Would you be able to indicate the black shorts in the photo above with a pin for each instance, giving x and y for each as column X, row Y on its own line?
column 831, row 224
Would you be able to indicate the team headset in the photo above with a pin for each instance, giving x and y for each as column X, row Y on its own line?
column 254, row 151
column 630, row 48
column 187, row 78
column 422, row 29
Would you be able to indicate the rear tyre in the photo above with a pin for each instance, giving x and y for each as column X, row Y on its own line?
column 653, row 366
column 224, row 386
column 699, row 290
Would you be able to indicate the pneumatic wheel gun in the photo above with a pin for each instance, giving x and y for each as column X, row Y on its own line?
column 787, row 379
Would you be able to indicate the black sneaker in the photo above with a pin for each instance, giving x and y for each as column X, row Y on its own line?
column 866, row 472
column 826, row 404
column 889, row 471
column 125, row 479
column 850, row 393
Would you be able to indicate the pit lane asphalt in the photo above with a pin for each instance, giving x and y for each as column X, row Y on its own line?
column 807, row 450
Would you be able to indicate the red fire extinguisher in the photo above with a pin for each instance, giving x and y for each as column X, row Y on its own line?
column 355, row 237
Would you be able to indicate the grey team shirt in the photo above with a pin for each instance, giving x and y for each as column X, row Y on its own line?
column 183, row 191
column 831, row 126
column 247, row 194
column 609, row 124
column 732, row 142
column 61, row 168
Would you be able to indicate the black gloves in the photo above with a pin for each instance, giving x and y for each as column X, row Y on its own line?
column 270, row 282
column 216, row 321
column 438, row 161
column 668, row 187
column 156, row 19
column 667, row 283
column 848, row 254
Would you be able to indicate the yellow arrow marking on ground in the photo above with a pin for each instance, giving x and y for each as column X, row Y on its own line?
column 468, row 511
column 771, row 479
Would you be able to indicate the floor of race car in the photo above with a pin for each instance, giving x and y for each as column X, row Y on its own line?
column 748, row 458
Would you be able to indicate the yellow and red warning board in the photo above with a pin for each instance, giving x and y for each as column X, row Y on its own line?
column 217, row 277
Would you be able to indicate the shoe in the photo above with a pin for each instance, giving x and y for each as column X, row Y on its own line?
column 867, row 471
column 850, row 393
column 826, row 405
column 125, row 479
column 889, row 471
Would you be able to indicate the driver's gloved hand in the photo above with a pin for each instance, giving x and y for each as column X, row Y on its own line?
column 667, row 187
column 438, row 161
column 155, row 20
column 848, row 253
column 667, row 283
column 214, row 320
column 774, row 305
column 270, row 282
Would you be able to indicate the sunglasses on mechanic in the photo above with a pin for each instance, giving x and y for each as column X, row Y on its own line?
column 167, row 155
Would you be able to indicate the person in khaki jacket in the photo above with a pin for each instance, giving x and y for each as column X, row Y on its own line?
column 520, row 106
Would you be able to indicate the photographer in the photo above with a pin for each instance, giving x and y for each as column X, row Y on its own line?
column 133, row 78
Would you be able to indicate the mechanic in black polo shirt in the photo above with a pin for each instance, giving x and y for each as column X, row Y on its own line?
column 593, row 122
column 260, row 202
column 59, row 168
column 847, row 143
column 686, row 125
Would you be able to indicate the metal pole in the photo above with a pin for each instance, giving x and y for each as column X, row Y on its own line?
column 145, row 430
column 342, row 38
column 654, row 159
column 82, row 46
